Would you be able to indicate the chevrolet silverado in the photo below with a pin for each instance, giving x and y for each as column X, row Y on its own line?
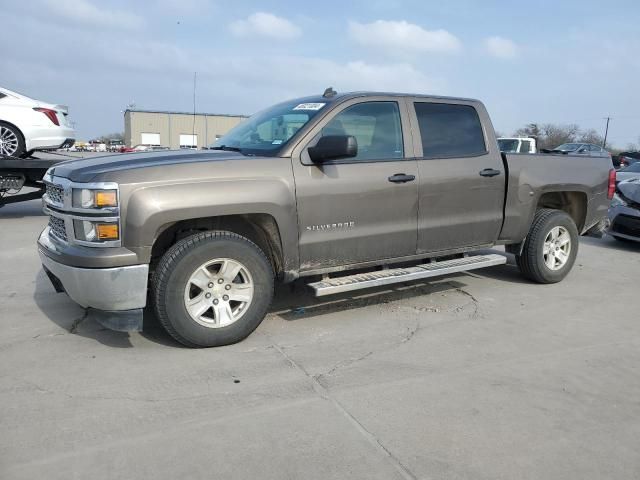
column 347, row 190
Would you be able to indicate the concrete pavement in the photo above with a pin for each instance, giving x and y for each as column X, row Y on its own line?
column 470, row 376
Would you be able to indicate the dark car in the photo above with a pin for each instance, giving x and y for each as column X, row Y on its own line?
column 577, row 148
column 624, row 159
column 624, row 212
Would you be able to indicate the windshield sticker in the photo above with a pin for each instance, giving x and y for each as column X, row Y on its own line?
column 310, row 106
column 276, row 142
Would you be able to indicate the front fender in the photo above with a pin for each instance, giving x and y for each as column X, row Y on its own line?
column 150, row 208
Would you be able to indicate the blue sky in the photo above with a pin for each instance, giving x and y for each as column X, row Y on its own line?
column 546, row 61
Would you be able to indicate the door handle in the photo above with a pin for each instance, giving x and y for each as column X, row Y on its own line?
column 401, row 178
column 489, row 172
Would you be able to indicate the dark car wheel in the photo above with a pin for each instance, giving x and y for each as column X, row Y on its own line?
column 550, row 248
column 212, row 289
column 11, row 141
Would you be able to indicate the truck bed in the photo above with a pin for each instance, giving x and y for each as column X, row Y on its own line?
column 531, row 175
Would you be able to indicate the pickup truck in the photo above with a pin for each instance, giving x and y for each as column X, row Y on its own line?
column 345, row 190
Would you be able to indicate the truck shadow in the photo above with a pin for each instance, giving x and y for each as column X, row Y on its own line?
column 293, row 302
column 32, row 208
column 296, row 302
column 62, row 311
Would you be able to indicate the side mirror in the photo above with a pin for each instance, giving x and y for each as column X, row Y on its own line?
column 333, row 147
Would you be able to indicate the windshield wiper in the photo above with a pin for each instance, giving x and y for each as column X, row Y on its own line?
column 227, row 148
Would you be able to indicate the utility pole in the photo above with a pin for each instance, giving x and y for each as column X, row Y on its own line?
column 606, row 131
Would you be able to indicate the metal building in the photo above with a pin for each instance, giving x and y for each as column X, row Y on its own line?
column 176, row 129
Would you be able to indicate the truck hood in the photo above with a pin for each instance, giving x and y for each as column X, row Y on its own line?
column 86, row 169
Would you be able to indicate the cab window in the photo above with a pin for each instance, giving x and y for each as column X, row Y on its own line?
column 376, row 127
column 449, row 130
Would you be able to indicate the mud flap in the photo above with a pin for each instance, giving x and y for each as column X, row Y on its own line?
column 598, row 229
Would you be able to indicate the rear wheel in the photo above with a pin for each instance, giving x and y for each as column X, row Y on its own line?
column 212, row 289
column 11, row 141
column 550, row 249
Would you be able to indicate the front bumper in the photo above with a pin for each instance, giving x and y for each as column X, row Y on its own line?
column 624, row 222
column 114, row 296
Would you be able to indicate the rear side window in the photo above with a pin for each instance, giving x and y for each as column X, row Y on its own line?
column 449, row 130
column 2, row 95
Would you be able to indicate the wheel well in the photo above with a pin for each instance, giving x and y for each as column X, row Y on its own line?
column 260, row 228
column 574, row 203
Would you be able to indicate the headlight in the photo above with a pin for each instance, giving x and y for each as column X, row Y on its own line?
column 89, row 231
column 87, row 198
column 617, row 200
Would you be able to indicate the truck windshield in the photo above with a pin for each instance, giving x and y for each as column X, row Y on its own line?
column 508, row 145
column 268, row 131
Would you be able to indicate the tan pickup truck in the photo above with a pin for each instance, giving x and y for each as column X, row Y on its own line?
column 396, row 187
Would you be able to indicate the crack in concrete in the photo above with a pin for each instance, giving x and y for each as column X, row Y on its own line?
column 346, row 363
column 411, row 333
column 76, row 323
column 324, row 393
column 474, row 301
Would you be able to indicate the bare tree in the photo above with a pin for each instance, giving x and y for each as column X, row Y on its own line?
column 554, row 135
column 591, row 136
column 551, row 135
column 531, row 130
column 111, row 136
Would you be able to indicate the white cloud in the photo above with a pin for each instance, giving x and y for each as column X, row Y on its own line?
column 183, row 7
column 404, row 36
column 265, row 24
column 84, row 12
column 501, row 47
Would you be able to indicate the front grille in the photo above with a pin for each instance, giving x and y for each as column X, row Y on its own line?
column 57, row 228
column 626, row 225
column 55, row 193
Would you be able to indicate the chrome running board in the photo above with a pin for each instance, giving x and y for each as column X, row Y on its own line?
column 397, row 275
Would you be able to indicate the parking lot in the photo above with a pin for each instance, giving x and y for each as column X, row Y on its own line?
column 477, row 375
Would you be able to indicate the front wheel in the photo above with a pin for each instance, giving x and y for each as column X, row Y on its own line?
column 550, row 249
column 212, row 289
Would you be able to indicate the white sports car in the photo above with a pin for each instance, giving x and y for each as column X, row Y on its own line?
column 27, row 125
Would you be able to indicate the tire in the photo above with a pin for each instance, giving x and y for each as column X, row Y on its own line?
column 553, row 266
column 198, row 261
column 11, row 141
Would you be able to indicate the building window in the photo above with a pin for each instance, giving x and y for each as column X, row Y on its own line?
column 188, row 141
column 150, row 138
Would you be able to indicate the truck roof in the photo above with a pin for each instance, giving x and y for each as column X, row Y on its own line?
column 348, row 95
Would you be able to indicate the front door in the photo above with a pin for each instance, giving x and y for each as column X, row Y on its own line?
column 364, row 208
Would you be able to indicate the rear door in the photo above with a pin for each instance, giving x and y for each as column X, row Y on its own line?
column 355, row 210
column 462, row 179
